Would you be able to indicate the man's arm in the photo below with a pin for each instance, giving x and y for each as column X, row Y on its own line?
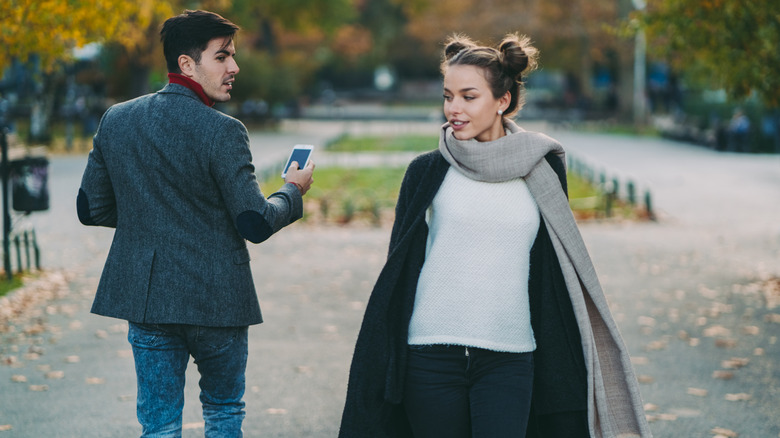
column 95, row 203
column 256, row 217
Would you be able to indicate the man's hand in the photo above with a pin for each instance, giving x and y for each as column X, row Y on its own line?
column 302, row 178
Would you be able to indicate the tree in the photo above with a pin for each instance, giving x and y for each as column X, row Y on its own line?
column 574, row 36
column 729, row 44
column 49, row 30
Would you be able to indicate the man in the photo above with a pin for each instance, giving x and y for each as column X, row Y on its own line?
column 175, row 178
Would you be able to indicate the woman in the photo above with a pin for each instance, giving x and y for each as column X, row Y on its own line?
column 488, row 319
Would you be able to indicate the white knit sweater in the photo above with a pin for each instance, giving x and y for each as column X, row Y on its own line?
column 473, row 287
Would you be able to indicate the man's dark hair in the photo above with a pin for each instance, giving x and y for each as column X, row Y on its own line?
column 189, row 34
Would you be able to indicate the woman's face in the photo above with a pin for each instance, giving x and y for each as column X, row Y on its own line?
column 469, row 104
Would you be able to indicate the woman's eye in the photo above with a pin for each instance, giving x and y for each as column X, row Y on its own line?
column 446, row 97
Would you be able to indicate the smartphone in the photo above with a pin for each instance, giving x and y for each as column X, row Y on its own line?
column 301, row 154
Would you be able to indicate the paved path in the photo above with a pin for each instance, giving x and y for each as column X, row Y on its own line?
column 676, row 288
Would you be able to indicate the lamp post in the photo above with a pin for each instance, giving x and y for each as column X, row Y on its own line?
column 4, row 171
column 640, row 50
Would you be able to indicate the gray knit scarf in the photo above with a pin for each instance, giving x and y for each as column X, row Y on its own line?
column 615, row 407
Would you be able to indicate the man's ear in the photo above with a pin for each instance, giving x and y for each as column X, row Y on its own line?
column 187, row 65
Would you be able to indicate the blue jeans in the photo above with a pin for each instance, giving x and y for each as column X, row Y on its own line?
column 459, row 392
column 162, row 352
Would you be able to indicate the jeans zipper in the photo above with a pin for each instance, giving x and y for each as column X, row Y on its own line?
column 467, row 351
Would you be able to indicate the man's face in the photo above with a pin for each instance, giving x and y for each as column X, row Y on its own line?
column 217, row 69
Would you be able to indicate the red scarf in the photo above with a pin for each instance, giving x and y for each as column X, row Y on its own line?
column 176, row 78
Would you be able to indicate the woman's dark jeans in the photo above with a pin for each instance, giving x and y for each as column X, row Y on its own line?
column 458, row 392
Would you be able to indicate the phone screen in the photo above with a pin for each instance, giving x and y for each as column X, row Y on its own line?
column 299, row 155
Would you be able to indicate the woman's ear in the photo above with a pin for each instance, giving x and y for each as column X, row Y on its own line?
column 186, row 65
column 503, row 101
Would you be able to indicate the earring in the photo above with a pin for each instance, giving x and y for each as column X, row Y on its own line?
column 500, row 112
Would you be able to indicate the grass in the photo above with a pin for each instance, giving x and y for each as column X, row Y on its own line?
column 344, row 195
column 399, row 143
column 368, row 195
column 7, row 286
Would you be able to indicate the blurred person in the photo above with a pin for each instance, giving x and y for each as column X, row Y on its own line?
column 175, row 178
column 488, row 319
column 739, row 132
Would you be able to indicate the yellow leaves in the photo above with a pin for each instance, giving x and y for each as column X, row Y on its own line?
column 352, row 41
column 51, row 28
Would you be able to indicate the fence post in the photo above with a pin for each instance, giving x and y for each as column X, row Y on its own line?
column 649, row 206
column 36, row 250
column 630, row 193
column 27, row 250
column 17, row 242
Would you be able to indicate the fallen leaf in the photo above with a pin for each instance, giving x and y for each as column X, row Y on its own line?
column 697, row 392
column 650, row 407
column 750, row 330
column 693, row 342
column 716, row 330
column 655, row 345
column 639, row 360
column 646, row 321
column 55, row 374
column 738, row 397
column 645, row 379
column 72, row 359
column 725, row 343
column 724, row 432
column 758, row 351
column 5, row 427
column 118, row 328
column 773, row 317
column 192, row 426
column 10, row 360
column 734, row 363
column 686, row 412
column 32, row 356
column 101, row 334
column 44, row 368
column 95, row 380
column 303, row 369
column 18, row 378
column 75, row 325
column 723, row 375
column 667, row 417
column 39, row 388
column 276, row 411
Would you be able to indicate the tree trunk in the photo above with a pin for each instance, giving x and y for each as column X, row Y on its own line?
column 139, row 79
column 42, row 112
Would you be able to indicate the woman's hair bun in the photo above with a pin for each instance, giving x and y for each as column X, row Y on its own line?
column 517, row 55
column 456, row 44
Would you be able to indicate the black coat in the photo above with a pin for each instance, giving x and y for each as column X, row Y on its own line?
column 375, row 393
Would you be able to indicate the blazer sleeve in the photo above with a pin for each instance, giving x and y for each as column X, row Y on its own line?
column 95, row 203
column 255, row 217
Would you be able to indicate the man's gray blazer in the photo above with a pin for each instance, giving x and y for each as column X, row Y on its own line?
column 175, row 178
